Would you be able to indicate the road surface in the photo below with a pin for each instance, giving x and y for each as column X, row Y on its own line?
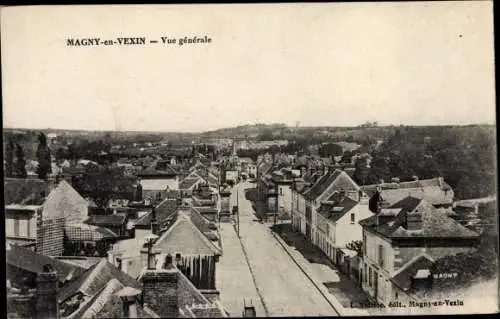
column 284, row 288
column 234, row 279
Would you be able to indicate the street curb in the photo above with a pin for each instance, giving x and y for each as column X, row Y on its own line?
column 337, row 306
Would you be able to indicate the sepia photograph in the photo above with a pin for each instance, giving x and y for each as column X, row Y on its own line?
column 249, row 160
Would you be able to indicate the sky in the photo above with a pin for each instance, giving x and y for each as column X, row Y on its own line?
column 313, row 64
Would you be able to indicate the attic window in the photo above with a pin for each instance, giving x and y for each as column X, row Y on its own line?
column 353, row 218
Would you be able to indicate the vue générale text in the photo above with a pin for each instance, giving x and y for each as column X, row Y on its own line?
column 180, row 41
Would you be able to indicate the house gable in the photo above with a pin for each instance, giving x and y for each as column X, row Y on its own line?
column 65, row 201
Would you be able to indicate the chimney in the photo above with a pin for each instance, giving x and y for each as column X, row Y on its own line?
column 47, row 285
column 160, row 289
column 441, row 182
column 148, row 254
column 178, row 259
column 414, row 220
column 154, row 222
column 128, row 296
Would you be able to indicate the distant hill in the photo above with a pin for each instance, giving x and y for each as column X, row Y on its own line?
column 284, row 132
column 242, row 131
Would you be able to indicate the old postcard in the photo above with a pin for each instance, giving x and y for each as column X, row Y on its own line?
column 328, row 159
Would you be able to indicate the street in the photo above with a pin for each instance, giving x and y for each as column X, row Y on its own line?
column 233, row 278
column 284, row 288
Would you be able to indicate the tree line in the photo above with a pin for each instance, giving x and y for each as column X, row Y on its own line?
column 15, row 160
column 463, row 156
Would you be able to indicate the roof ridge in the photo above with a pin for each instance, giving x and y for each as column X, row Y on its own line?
column 193, row 287
column 102, row 297
column 93, row 273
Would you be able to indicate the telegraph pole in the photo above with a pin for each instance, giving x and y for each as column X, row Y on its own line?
column 237, row 213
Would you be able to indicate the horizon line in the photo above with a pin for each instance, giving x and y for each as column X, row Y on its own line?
column 241, row 125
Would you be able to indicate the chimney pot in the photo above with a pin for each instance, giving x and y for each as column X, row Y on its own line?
column 129, row 299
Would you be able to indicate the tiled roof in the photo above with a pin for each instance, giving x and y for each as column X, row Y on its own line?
column 430, row 189
column 95, row 279
column 190, row 297
column 264, row 168
column 153, row 172
column 206, row 311
column 330, row 212
column 26, row 191
column 204, row 225
column 183, row 236
column 212, row 180
column 84, row 232
column 321, row 185
column 107, row 220
column 30, row 261
column 158, row 168
column 107, row 304
column 403, row 277
column 188, row 182
column 173, row 193
column 435, row 222
column 164, row 210
column 83, row 262
column 206, row 209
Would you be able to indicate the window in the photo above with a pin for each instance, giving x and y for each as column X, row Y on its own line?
column 353, row 218
column 16, row 227
column 365, row 273
column 381, row 255
column 281, row 191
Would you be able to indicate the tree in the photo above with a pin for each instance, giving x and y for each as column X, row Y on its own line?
column 378, row 170
column 330, row 149
column 357, row 246
column 361, row 170
column 9, row 168
column 346, row 157
column 374, row 202
column 20, row 166
column 43, row 156
column 138, row 193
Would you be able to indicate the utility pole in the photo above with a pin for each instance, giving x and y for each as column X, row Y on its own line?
column 237, row 213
